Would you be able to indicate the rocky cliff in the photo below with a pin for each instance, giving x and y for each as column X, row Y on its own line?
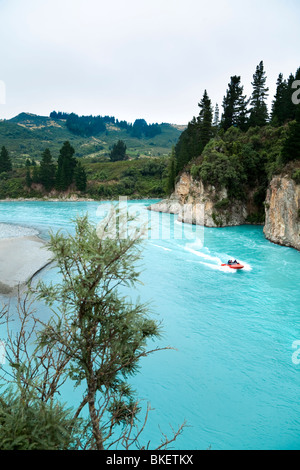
column 202, row 205
column 196, row 204
column 283, row 212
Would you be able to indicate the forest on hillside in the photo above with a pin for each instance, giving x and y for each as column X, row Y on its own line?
column 87, row 126
column 246, row 144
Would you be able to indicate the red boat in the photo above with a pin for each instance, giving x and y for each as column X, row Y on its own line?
column 233, row 265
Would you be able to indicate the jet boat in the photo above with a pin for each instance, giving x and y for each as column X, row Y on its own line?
column 233, row 265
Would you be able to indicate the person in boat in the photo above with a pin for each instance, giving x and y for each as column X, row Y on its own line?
column 230, row 261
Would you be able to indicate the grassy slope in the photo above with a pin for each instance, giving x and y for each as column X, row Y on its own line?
column 27, row 136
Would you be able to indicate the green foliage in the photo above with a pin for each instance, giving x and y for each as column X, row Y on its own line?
column 296, row 176
column 5, row 161
column 237, row 160
column 256, row 218
column 13, row 188
column 205, row 121
column 140, row 128
column 259, row 111
column 170, row 186
column 193, row 140
column 95, row 338
column 66, row 166
column 93, row 125
column 235, row 106
column 27, row 135
column 222, row 170
column 195, row 171
column 291, row 146
column 30, row 424
column 47, row 171
column 80, row 177
column 107, row 333
column 85, row 126
column 133, row 178
column 28, row 179
column 223, row 204
column 118, row 151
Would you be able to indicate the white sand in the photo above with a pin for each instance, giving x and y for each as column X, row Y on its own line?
column 21, row 257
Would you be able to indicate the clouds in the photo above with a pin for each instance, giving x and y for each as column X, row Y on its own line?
column 145, row 58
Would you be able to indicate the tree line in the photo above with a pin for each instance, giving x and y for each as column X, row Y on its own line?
column 87, row 126
column 241, row 112
column 60, row 176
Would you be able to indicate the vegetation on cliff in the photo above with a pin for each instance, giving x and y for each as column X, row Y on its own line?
column 242, row 150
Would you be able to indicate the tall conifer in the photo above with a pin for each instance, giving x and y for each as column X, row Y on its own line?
column 259, row 110
column 47, row 170
column 5, row 161
column 234, row 105
column 66, row 166
column 279, row 105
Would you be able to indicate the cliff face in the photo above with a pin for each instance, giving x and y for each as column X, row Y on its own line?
column 196, row 204
column 283, row 212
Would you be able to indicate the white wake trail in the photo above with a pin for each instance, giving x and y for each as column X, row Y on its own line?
column 213, row 261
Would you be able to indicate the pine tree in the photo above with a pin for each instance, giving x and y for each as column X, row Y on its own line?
column 5, row 161
column 36, row 174
column 205, row 121
column 235, row 105
column 198, row 133
column 80, row 177
column 291, row 146
column 259, row 111
column 279, row 105
column 290, row 107
column 188, row 145
column 47, row 171
column 171, row 172
column 66, row 166
column 118, row 151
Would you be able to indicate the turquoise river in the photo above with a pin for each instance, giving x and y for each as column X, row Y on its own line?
column 234, row 373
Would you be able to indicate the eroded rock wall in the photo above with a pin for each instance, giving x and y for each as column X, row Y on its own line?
column 282, row 224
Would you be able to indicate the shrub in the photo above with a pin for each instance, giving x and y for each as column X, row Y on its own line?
column 296, row 176
column 223, row 204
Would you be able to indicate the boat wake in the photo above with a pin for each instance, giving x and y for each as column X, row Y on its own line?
column 161, row 247
column 213, row 261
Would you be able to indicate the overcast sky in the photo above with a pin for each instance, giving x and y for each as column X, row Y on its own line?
column 148, row 59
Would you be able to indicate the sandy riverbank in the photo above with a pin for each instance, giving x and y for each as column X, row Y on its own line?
column 22, row 255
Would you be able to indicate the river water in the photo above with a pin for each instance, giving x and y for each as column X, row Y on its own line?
column 234, row 374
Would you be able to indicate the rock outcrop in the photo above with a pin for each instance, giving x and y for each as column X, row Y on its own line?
column 202, row 205
column 283, row 212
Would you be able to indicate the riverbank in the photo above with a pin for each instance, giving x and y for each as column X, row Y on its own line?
column 22, row 255
column 78, row 199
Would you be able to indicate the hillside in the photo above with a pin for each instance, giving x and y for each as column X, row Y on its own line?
column 143, row 174
column 27, row 136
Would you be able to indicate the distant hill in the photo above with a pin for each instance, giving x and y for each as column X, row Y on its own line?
column 27, row 135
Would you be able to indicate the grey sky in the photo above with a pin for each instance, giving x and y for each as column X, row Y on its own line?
column 133, row 59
